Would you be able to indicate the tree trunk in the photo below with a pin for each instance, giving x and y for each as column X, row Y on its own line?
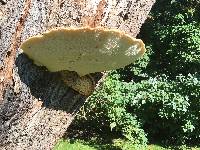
column 36, row 107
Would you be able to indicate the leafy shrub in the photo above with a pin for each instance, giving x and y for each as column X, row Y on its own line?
column 163, row 108
column 173, row 33
column 176, row 48
column 112, row 99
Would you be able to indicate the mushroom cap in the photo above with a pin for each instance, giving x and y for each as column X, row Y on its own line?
column 83, row 50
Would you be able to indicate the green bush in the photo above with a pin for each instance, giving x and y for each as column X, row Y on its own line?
column 175, row 49
column 174, row 36
column 112, row 99
column 165, row 109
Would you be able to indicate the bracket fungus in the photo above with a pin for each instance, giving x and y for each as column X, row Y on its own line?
column 83, row 50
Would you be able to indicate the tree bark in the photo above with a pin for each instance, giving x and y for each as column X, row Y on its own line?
column 36, row 106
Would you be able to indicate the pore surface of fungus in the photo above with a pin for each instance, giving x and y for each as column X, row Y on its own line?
column 83, row 50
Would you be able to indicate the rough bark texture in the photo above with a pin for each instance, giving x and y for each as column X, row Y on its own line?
column 36, row 107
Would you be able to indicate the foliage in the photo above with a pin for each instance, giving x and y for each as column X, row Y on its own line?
column 174, row 35
column 112, row 99
column 157, row 105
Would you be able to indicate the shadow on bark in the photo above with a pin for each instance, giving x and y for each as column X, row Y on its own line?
column 48, row 87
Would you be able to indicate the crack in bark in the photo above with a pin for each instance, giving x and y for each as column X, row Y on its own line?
column 99, row 14
column 6, row 72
